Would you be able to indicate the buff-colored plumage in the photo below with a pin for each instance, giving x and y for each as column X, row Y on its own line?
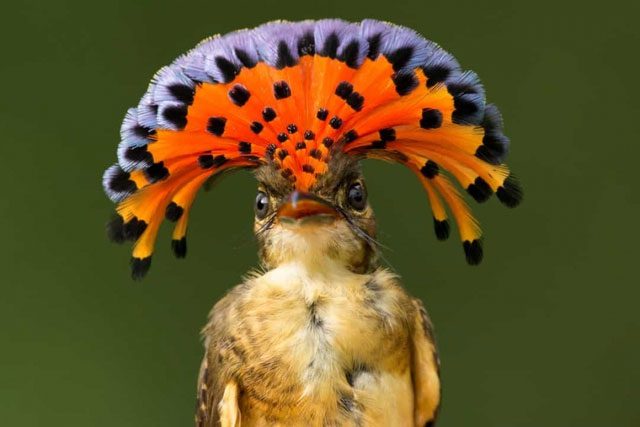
column 311, row 343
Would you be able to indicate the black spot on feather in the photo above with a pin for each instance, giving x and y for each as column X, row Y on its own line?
column 374, row 46
column 285, row 59
column 355, row 101
column 441, row 229
column 176, row 115
column 387, row 134
column 282, row 137
column 282, row 154
column 431, row 118
column 115, row 229
column 466, row 109
column 405, row 82
column 460, row 87
column 216, row 125
column 182, row 93
column 143, row 131
column 344, row 89
column 120, row 182
column 510, row 192
column 205, row 161
column 496, row 141
column 268, row 114
column 330, row 47
column 306, row 45
column 315, row 153
column 140, row 267
column 480, row 190
column 400, row 57
column 179, row 247
column 488, row 155
column 350, row 53
column 494, row 146
column 430, row 169
column 309, row 135
column 436, row 74
column 156, row 172
column 350, row 136
column 335, row 122
column 244, row 58
column 228, row 69
column 281, row 90
column 244, row 147
column 473, row 251
column 322, row 114
column 256, row 127
column 134, row 228
column 219, row 160
column 173, row 212
column 239, row 95
column 138, row 154
column 292, row 128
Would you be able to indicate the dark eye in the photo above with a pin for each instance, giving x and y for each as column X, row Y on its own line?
column 262, row 205
column 357, row 196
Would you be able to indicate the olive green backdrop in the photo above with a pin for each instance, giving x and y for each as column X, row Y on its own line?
column 545, row 332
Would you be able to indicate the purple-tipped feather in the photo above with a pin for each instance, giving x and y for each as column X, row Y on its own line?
column 116, row 184
column 280, row 44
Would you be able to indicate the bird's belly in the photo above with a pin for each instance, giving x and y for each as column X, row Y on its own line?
column 385, row 401
column 328, row 359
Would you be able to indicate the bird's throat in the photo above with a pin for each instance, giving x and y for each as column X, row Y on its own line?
column 315, row 244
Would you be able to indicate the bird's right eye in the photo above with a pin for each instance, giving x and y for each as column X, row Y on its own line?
column 262, row 205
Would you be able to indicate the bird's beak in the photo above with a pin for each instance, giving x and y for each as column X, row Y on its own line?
column 305, row 208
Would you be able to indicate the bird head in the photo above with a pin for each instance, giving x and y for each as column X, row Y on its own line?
column 301, row 104
column 332, row 220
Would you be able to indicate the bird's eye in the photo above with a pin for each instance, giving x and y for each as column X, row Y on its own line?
column 357, row 196
column 262, row 205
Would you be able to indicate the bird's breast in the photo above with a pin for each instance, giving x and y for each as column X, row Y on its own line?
column 329, row 346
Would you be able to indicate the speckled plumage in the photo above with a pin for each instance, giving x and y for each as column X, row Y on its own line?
column 321, row 347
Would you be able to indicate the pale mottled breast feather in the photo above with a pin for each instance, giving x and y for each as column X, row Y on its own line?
column 349, row 353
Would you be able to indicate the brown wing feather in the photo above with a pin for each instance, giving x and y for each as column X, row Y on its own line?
column 425, row 369
column 205, row 408
column 216, row 379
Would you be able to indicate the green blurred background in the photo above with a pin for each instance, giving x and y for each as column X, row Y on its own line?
column 545, row 332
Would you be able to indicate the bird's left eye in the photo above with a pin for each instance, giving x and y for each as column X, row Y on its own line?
column 262, row 205
column 357, row 196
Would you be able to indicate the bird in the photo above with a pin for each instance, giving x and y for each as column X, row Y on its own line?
column 322, row 333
